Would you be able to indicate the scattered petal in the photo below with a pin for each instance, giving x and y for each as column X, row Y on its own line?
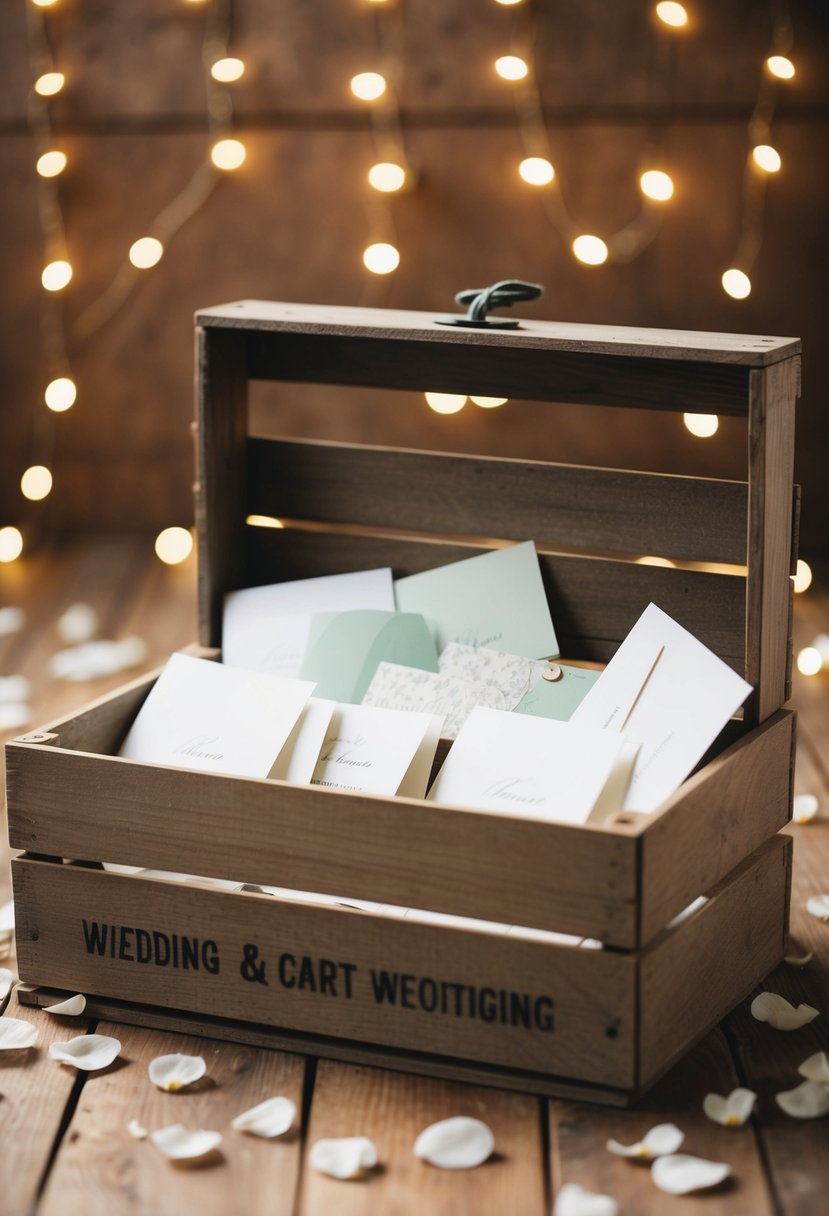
column 574, row 1200
column 78, row 624
column 70, row 1008
column 816, row 1068
column 14, row 688
column 88, row 1052
column 175, row 1071
column 681, row 1174
column 732, row 1111
column 7, row 978
column 16, row 1034
column 776, row 1010
column 799, row 960
column 459, row 1143
column 805, row 808
column 12, row 620
column 818, row 906
column 14, row 715
column 90, row 660
column 349, row 1157
column 178, row 1143
column 273, row 1117
column 136, row 1130
column 7, row 917
column 660, row 1140
column 809, row 1100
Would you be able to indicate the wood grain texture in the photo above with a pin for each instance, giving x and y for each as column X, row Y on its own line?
column 594, row 510
column 102, row 1169
column 392, row 1110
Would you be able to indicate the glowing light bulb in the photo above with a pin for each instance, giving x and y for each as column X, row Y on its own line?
column 49, row 84
column 780, row 66
column 11, row 544
column 669, row 13
column 445, row 403
column 60, row 394
column 591, row 250
column 228, row 69
column 381, row 258
column 655, row 561
column 802, row 578
column 506, row 3
column 56, row 275
column 368, row 86
column 809, row 660
column 701, row 425
column 174, row 545
column 146, row 252
column 44, row 3
column 736, row 284
column 264, row 521
column 656, row 185
column 536, row 171
column 489, row 403
column 50, row 164
column 766, row 158
column 228, row 154
column 387, row 176
column 511, row 67
column 36, row 482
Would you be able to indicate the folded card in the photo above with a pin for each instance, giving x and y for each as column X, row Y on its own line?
column 301, row 751
column 266, row 628
column 534, row 767
column 443, row 693
column 372, row 750
column 668, row 692
column 495, row 599
column 529, row 686
column 344, row 649
column 221, row 719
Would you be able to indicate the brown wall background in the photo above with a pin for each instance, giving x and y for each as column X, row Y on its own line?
column 292, row 223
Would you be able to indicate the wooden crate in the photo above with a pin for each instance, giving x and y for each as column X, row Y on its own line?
column 461, row 1001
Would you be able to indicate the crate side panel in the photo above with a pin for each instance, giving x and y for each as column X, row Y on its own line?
column 553, row 876
column 329, row 970
column 697, row 973
column 717, row 818
column 594, row 510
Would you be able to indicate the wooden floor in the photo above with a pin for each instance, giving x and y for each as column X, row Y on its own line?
column 64, row 1145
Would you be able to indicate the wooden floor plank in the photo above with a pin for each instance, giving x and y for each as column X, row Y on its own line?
column 579, row 1135
column 101, row 1169
column 392, row 1109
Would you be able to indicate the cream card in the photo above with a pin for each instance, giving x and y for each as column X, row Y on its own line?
column 396, row 687
column 372, row 749
column 298, row 758
column 220, row 719
column 669, row 693
column 534, row 767
column 521, row 681
column 266, row 628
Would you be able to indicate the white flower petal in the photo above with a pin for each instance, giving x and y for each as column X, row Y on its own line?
column 459, row 1143
column 681, row 1174
column 136, row 1130
column 816, row 1068
column 273, row 1117
column 799, row 960
column 348, row 1157
column 70, row 1008
column 175, row 1071
column 16, row 1034
column 78, row 623
column 662, row 1139
column 14, row 689
column 12, row 620
column 7, row 917
column 7, row 978
column 14, row 715
column 732, row 1111
column 180, row 1144
column 776, row 1010
column 88, row 1052
column 805, row 808
column 574, row 1200
column 818, row 906
column 810, row 1100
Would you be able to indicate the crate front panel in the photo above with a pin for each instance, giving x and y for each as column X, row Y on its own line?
column 331, row 971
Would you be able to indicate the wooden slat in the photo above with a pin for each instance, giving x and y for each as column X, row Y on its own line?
column 576, row 879
column 594, row 602
column 102, row 1169
column 594, row 510
column 392, row 1110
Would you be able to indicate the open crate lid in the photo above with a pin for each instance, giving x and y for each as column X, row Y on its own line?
column 351, row 507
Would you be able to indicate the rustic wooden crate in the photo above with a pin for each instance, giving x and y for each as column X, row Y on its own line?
column 600, row 1023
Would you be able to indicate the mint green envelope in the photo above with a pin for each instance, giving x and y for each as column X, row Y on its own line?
column 345, row 648
column 496, row 600
column 558, row 699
